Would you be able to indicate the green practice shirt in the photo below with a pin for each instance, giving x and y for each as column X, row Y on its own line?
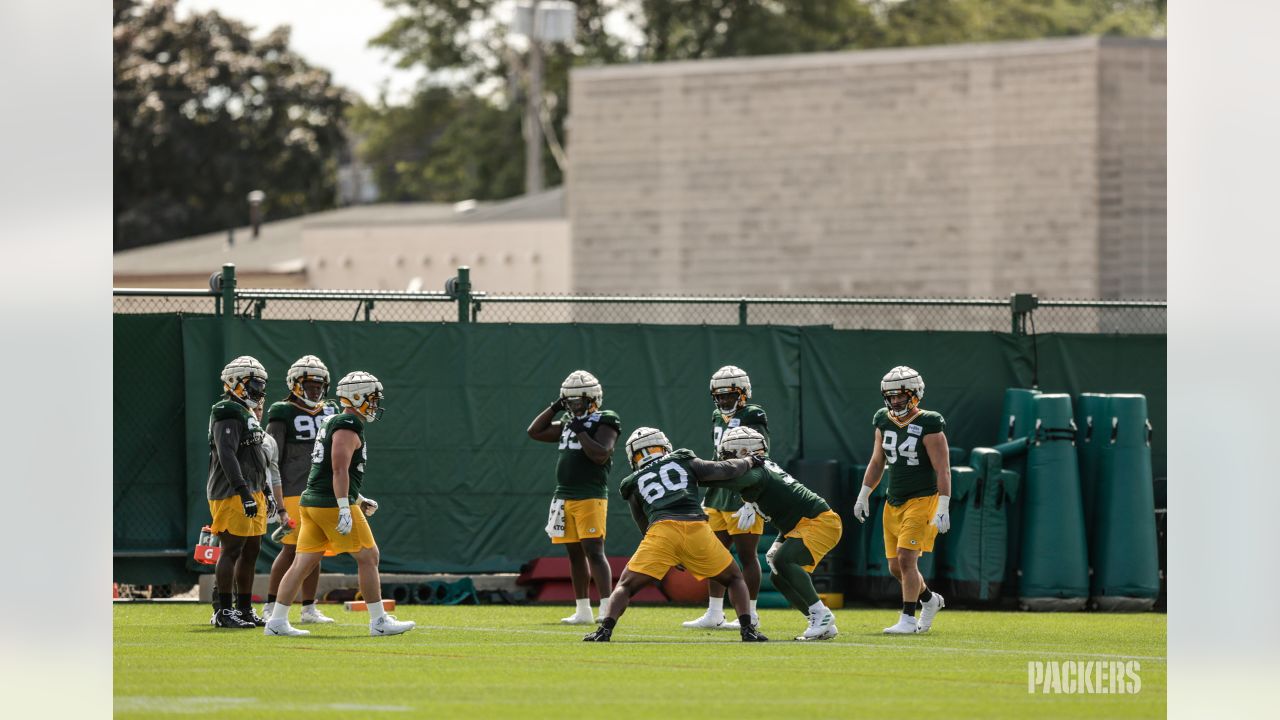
column 781, row 497
column 301, row 426
column 911, row 472
column 319, row 492
column 752, row 416
column 668, row 488
column 578, row 477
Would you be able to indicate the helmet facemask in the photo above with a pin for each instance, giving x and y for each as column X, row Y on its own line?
column 580, row 406
column 900, row 402
column 250, row 391
column 310, row 390
column 644, row 456
column 728, row 400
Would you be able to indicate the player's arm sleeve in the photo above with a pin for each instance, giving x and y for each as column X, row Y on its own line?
column 226, row 440
column 637, row 512
column 725, row 473
column 275, row 428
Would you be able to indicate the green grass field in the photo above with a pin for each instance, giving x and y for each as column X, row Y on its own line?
column 501, row 661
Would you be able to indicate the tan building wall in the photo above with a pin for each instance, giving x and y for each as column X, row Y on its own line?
column 976, row 170
column 529, row 256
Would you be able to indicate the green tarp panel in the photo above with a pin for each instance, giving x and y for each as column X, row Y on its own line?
column 1125, row 558
column 148, row 441
column 1053, row 569
column 463, row 488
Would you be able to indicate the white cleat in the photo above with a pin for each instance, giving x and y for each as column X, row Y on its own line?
column 312, row 615
column 283, row 629
column 389, row 625
column 928, row 610
column 579, row 619
column 821, row 627
column 710, row 622
column 266, row 610
column 906, row 626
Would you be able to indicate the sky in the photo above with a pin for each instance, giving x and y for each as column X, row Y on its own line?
column 333, row 34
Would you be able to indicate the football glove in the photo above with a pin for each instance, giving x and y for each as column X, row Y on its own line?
column 271, row 505
column 942, row 520
column 249, row 502
column 557, row 406
column 862, row 508
column 344, row 516
column 771, row 554
column 746, row 515
column 757, row 460
column 367, row 505
column 578, row 425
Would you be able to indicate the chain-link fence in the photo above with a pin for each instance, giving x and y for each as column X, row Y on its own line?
column 1018, row 314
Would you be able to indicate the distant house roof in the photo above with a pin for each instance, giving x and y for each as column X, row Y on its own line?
column 278, row 248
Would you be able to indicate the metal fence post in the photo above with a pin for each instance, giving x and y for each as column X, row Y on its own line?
column 742, row 311
column 1022, row 305
column 228, row 288
column 463, row 291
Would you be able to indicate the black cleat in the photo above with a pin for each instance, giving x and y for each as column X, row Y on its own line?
column 251, row 616
column 231, row 619
column 750, row 633
column 602, row 634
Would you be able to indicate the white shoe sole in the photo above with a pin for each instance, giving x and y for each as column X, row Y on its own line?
column 830, row 632
column 923, row 625
column 703, row 624
column 283, row 632
column 575, row 620
column 897, row 631
column 304, row 620
column 387, row 633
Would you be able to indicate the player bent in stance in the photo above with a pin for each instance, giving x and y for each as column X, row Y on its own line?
column 662, row 493
column 293, row 424
column 919, row 490
column 733, row 521
column 580, row 504
column 337, row 472
column 237, row 478
column 807, row 527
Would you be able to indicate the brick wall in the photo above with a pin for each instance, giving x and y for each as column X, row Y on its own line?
column 952, row 171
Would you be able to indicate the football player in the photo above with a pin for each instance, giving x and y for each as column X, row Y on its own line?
column 338, row 464
column 586, row 434
column 807, row 527
column 237, row 478
column 733, row 521
column 294, row 423
column 912, row 442
column 662, row 493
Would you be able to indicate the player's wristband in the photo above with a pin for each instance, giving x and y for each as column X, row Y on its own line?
column 344, row 503
column 864, row 493
column 944, row 503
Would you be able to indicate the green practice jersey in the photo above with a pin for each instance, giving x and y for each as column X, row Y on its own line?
column 301, row 426
column 668, row 488
column 319, row 492
column 910, row 470
column 578, row 477
column 231, row 422
column 752, row 416
column 783, row 499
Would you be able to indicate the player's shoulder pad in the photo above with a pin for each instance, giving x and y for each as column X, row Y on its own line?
column 681, row 454
column 606, row 417
column 344, row 421
column 881, row 415
column 279, row 411
column 753, row 415
column 931, row 421
column 229, row 410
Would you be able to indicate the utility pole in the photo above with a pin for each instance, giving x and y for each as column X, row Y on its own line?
column 533, row 107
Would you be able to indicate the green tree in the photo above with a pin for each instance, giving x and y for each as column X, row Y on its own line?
column 204, row 113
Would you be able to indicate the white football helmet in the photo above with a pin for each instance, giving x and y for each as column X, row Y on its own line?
column 308, row 368
column 730, row 388
column 361, row 391
column 740, row 442
column 902, row 389
column 245, row 380
column 582, row 393
column 645, row 445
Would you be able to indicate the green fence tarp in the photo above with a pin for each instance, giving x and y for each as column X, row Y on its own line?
column 463, row 487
